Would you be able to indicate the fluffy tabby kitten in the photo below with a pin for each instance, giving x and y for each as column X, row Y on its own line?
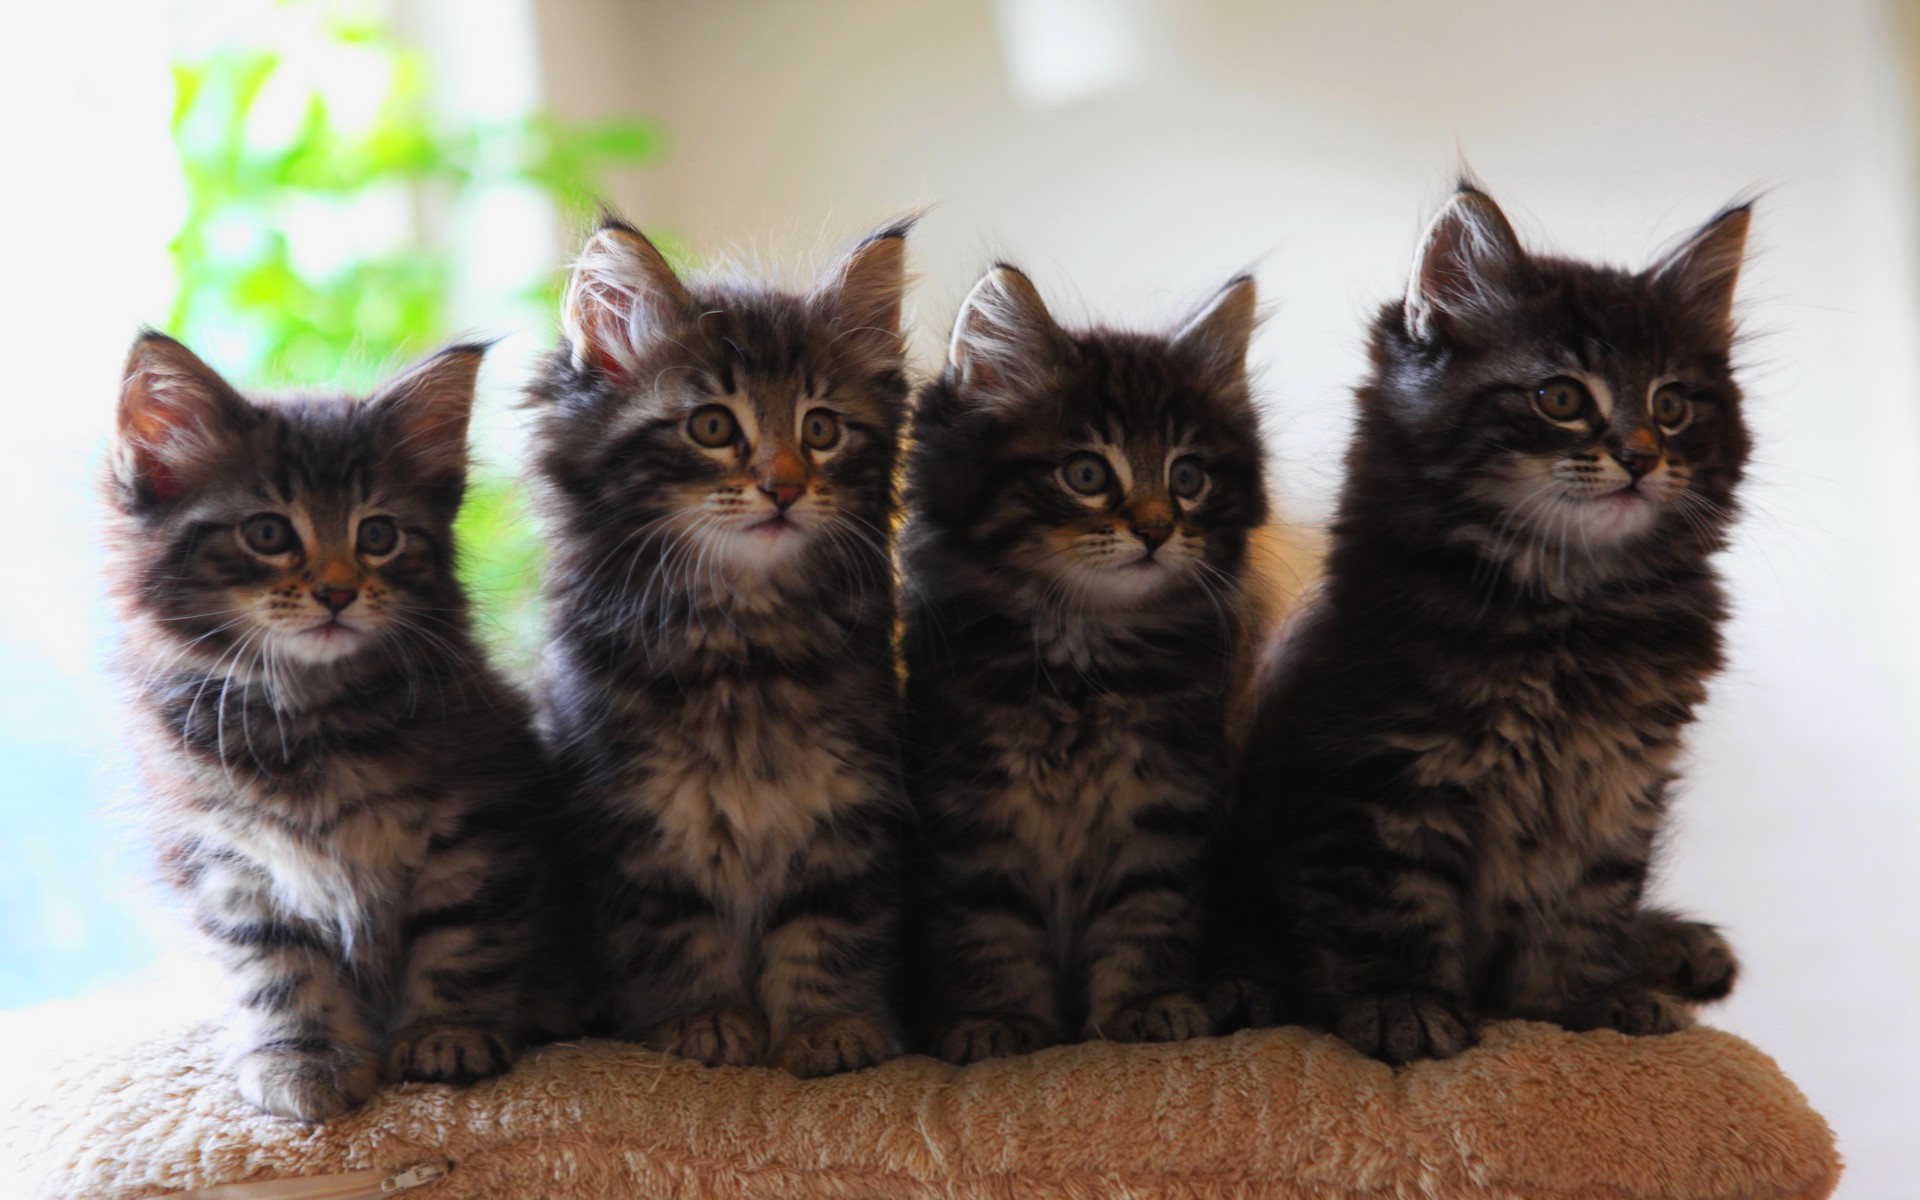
column 718, row 463
column 341, row 791
column 1080, row 508
column 1463, row 750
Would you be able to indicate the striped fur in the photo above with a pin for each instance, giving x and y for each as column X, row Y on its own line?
column 346, row 805
column 1463, row 752
column 1071, row 660
column 719, row 678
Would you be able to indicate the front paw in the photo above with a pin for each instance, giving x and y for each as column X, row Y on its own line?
column 1171, row 1016
column 834, row 1045
column 1692, row 960
column 1240, row 1003
column 714, row 1037
column 1638, row 1012
column 1403, row 1027
column 428, row 1052
column 307, row 1084
column 976, row 1039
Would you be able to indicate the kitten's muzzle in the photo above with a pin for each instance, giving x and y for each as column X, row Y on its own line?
column 335, row 599
column 1155, row 536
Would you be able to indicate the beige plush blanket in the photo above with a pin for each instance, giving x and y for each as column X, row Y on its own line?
column 1534, row 1111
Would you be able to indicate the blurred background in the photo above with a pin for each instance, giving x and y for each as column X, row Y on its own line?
column 311, row 193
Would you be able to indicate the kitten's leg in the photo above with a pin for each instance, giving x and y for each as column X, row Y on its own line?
column 1690, row 959
column 1143, row 934
column 305, row 1047
column 468, row 942
column 1381, row 902
column 675, row 976
column 1602, row 978
column 830, row 949
column 989, row 961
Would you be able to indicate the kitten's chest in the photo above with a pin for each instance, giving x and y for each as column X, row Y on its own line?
column 343, row 853
column 1560, row 759
column 1076, row 775
column 739, row 783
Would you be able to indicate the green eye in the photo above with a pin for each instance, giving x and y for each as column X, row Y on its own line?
column 269, row 533
column 820, row 430
column 1086, row 473
column 378, row 536
column 1187, row 478
column 713, row 425
column 1671, row 408
column 1562, row 399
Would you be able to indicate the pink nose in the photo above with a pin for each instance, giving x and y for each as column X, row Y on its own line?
column 335, row 598
column 784, row 494
column 1155, row 536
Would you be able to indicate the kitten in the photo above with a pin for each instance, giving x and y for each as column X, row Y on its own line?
column 1080, row 506
column 342, row 793
column 718, row 466
column 1463, row 751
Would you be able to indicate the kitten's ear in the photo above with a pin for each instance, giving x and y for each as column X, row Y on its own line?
column 1003, row 331
column 1468, row 247
column 1707, row 266
column 429, row 408
column 863, row 291
column 621, row 293
column 1221, row 331
column 175, row 415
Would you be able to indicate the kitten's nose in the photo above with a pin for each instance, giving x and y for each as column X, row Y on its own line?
column 1155, row 535
column 1637, row 462
column 783, row 493
column 335, row 598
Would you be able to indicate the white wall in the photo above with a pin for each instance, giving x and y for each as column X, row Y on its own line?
column 1312, row 139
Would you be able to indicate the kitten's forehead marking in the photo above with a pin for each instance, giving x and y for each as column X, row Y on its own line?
column 1601, row 392
column 1115, row 452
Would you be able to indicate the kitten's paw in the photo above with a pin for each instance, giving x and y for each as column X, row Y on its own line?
column 307, row 1085
column 976, row 1039
column 715, row 1037
column 1168, row 1017
column 1403, row 1027
column 1640, row 1012
column 1690, row 959
column 1241, row 1003
column 433, row 1053
column 834, row 1045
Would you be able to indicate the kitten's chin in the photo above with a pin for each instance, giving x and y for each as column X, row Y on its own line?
column 1124, row 584
column 323, row 644
column 1615, row 516
column 764, row 546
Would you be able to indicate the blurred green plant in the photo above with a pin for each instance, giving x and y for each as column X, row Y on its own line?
column 319, row 185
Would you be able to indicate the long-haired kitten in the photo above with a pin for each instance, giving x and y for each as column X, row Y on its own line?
column 1080, row 505
column 342, row 793
column 717, row 460
column 1464, row 750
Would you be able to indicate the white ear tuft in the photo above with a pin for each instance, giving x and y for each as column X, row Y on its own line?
column 1466, row 249
column 622, row 293
column 1003, row 331
column 1707, row 266
column 1221, row 331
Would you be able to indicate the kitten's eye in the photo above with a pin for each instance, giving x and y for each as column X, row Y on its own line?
column 1086, row 473
column 269, row 533
column 1671, row 408
column 378, row 536
column 820, row 430
column 1187, row 477
column 1561, row 399
column 713, row 425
